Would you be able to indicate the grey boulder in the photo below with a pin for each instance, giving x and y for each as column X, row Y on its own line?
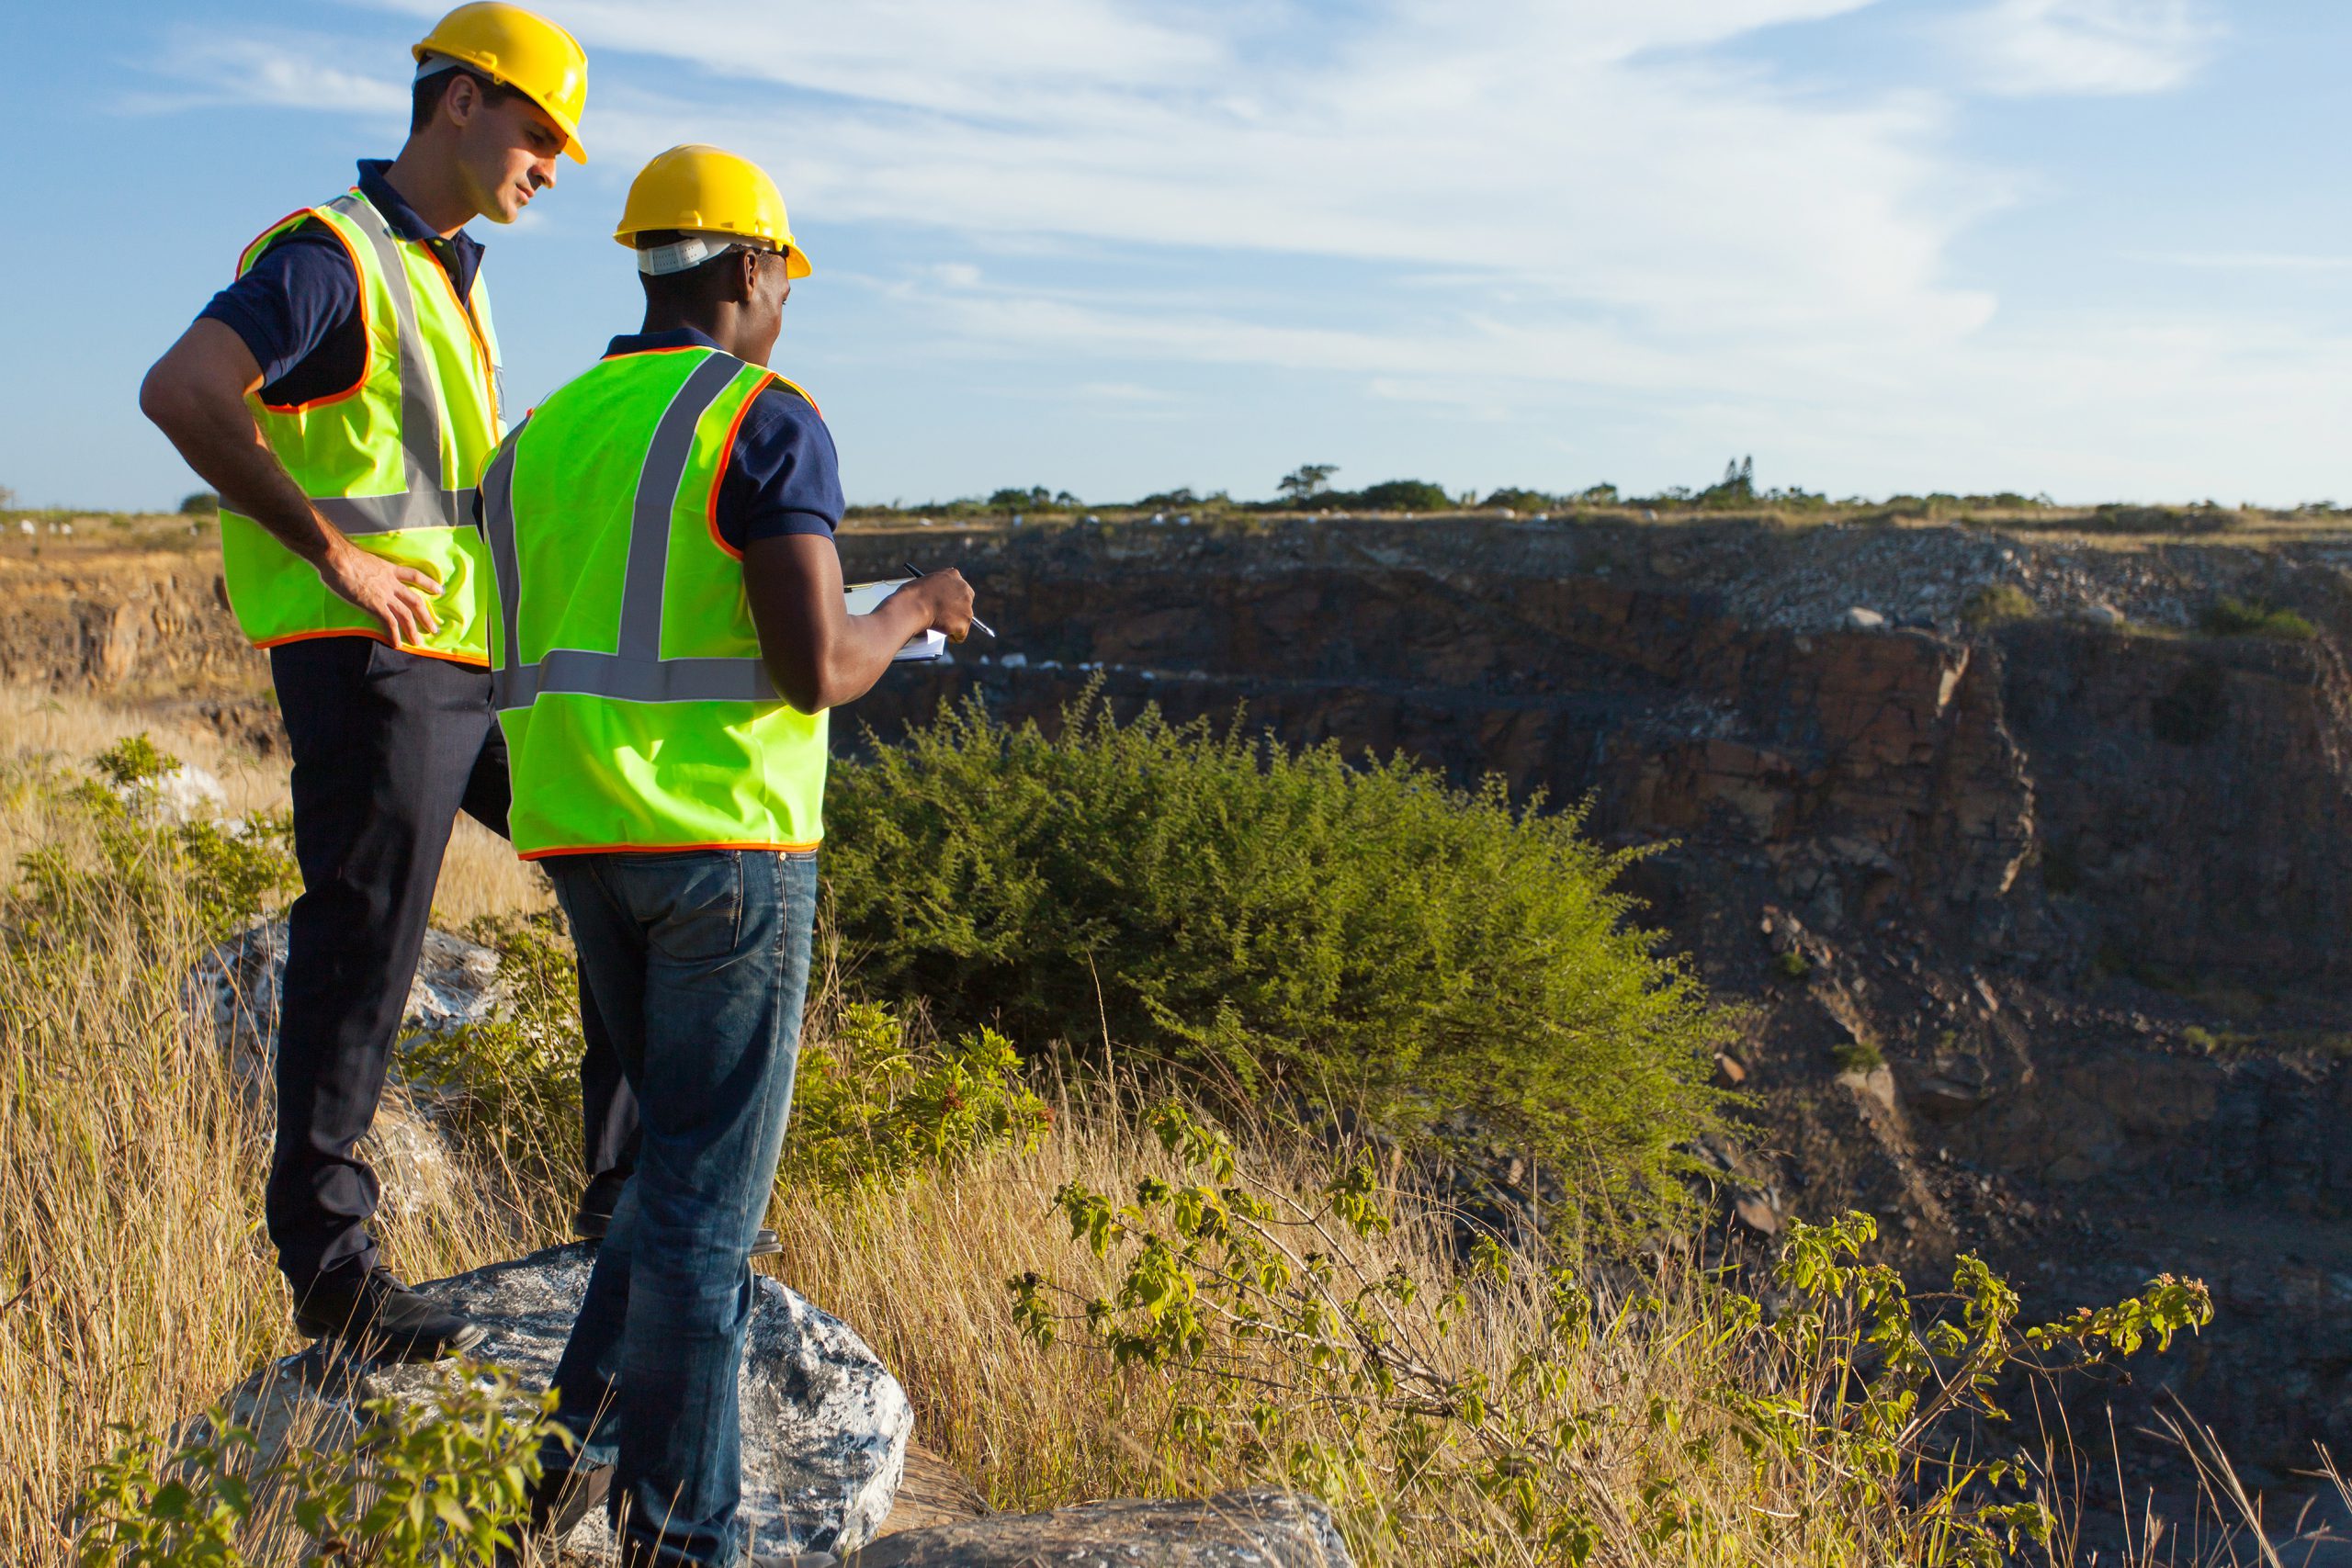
column 825, row 1425
column 1257, row 1528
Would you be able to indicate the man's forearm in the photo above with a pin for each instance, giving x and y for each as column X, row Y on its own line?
column 222, row 446
column 196, row 395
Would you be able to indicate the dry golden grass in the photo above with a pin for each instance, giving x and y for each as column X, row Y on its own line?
column 136, row 1283
column 480, row 876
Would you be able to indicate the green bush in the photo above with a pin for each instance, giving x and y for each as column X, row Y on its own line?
column 1299, row 1346
column 873, row 1104
column 1997, row 603
column 226, row 869
column 1282, row 922
column 1857, row 1056
column 2238, row 617
column 512, row 1081
column 433, row 1484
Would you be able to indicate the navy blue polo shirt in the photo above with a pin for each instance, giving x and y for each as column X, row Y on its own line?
column 782, row 478
column 297, row 307
column 784, row 475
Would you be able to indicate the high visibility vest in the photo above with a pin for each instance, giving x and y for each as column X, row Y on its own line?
column 392, row 460
column 624, row 664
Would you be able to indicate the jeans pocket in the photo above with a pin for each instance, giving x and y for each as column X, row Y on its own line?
column 696, row 908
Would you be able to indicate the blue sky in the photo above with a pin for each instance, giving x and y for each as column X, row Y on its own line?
column 2093, row 247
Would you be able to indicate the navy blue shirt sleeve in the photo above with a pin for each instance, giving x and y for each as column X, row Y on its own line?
column 298, row 310
column 784, row 476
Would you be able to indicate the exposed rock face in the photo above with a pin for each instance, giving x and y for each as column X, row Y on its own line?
column 825, row 1426
column 1235, row 1529
column 2081, row 884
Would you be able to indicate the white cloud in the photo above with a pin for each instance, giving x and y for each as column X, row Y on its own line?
column 1559, row 202
column 2028, row 47
column 282, row 70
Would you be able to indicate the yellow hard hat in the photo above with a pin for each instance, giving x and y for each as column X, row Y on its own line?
column 525, row 51
column 707, row 190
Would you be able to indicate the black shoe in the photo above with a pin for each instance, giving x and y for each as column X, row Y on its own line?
column 595, row 1216
column 382, row 1318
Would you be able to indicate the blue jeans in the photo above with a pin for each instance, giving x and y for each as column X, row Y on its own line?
column 698, row 961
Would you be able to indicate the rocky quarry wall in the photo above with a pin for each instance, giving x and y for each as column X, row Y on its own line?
column 2037, row 922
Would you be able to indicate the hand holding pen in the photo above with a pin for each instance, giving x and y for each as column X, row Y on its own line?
column 913, row 571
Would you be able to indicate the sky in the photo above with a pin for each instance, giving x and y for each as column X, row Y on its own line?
column 2100, row 249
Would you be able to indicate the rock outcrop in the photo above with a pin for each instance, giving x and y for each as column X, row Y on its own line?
column 825, row 1426
column 1236, row 1529
column 236, row 994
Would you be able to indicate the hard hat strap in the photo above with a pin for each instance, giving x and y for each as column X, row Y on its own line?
column 433, row 64
column 660, row 261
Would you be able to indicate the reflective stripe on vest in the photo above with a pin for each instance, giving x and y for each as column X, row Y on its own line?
column 354, row 441
column 637, row 673
column 615, row 745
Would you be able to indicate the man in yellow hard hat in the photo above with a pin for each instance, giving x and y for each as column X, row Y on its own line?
column 668, row 633
column 342, row 396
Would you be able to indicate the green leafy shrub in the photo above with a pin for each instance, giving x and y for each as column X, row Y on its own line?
column 1304, row 1352
column 1996, row 603
column 1792, row 965
column 872, row 1106
column 1281, row 921
column 2238, row 617
column 511, row 1083
column 148, row 865
column 872, row 1103
column 1857, row 1056
column 431, row 1485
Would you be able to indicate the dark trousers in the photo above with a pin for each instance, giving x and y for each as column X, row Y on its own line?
column 387, row 749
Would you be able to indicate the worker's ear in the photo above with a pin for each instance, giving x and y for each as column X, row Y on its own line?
column 747, row 276
column 462, row 98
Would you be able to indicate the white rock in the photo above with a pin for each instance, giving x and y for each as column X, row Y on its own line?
column 237, row 987
column 825, row 1425
column 184, row 794
column 1864, row 620
column 1257, row 1528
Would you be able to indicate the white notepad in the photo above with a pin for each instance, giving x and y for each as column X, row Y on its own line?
column 864, row 597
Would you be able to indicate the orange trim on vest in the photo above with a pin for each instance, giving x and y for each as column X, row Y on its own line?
column 384, row 638
column 366, row 343
column 661, row 849
column 727, row 455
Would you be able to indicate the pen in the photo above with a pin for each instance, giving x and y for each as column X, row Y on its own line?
column 914, row 571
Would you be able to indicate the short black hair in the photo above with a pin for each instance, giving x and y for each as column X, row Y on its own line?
column 703, row 284
column 424, row 98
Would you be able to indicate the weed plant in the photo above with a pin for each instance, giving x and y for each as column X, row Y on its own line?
column 1301, row 1348
column 1285, row 925
column 2238, row 617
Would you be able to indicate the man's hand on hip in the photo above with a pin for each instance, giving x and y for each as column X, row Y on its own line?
column 398, row 595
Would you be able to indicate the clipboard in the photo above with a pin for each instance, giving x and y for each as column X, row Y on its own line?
column 866, row 597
